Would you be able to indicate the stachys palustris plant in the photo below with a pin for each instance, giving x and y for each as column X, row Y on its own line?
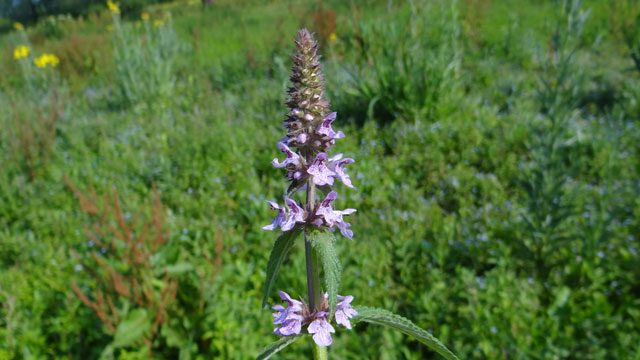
column 309, row 167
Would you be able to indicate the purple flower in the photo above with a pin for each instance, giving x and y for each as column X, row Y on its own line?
column 296, row 214
column 292, row 158
column 288, row 215
column 326, row 129
column 321, row 329
column 288, row 318
column 279, row 219
column 336, row 163
column 334, row 217
column 292, row 303
column 322, row 175
column 344, row 311
column 344, row 226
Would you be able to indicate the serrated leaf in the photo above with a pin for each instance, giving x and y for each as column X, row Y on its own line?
column 281, row 248
column 324, row 243
column 276, row 347
column 404, row 325
column 131, row 329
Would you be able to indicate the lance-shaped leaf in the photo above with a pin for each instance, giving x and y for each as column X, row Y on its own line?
column 404, row 325
column 281, row 248
column 325, row 244
column 276, row 347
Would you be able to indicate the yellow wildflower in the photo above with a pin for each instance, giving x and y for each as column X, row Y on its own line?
column 46, row 59
column 110, row 27
column 21, row 51
column 113, row 7
column 157, row 22
column 144, row 16
column 333, row 37
column 18, row 26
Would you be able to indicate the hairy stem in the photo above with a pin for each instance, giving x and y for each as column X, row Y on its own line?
column 313, row 272
column 320, row 353
column 313, row 275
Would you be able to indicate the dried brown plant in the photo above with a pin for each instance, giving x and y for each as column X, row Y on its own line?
column 35, row 135
column 129, row 245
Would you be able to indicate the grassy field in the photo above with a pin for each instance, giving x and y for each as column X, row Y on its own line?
column 497, row 148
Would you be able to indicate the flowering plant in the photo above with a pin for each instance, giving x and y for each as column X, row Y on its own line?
column 308, row 166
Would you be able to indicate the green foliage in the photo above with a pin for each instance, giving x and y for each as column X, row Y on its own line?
column 279, row 253
column 414, row 60
column 131, row 328
column 145, row 60
column 386, row 318
column 324, row 243
column 276, row 347
column 448, row 185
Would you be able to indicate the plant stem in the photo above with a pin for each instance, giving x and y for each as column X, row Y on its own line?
column 313, row 273
column 313, row 276
column 320, row 353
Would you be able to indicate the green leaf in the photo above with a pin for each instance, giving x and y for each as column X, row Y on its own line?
column 325, row 244
column 276, row 347
column 404, row 325
column 281, row 248
column 131, row 329
column 295, row 186
column 179, row 268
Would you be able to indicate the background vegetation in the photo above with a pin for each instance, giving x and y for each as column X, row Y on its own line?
column 497, row 148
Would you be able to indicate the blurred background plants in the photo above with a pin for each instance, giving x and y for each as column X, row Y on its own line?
column 497, row 146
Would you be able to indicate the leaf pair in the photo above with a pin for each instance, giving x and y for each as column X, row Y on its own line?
column 381, row 317
column 323, row 242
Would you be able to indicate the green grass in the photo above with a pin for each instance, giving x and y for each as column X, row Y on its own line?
column 506, row 226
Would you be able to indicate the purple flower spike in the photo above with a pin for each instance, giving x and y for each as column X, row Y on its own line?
column 344, row 311
column 280, row 218
column 321, row 330
column 322, row 175
column 292, row 158
column 326, row 129
column 336, row 163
